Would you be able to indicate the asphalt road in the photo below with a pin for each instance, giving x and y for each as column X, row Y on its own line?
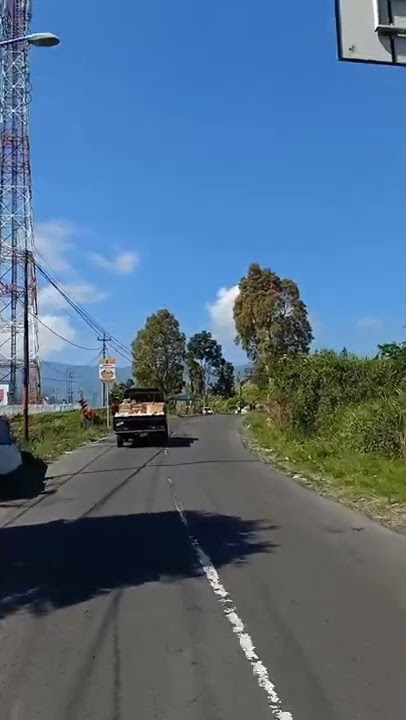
column 193, row 583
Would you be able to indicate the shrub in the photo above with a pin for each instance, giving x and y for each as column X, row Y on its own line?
column 373, row 426
column 310, row 387
column 219, row 404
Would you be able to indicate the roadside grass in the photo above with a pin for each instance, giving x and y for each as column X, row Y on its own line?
column 366, row 481
column 52, row 434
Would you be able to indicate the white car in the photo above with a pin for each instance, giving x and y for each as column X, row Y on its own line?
column 207, row 411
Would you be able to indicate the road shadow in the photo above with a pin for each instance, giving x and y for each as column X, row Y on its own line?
column 180, row 441
column 27, row 481
column 62, row 563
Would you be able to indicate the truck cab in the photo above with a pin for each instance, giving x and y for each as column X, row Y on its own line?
column 142, row 413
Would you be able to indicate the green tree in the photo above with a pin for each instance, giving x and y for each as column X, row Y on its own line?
column 251, row 393
column 225, row 384
column 394, row 351
column 159, row 353
column 204, row 358
column 270, row 317
column 395, row 354
column 117, row 392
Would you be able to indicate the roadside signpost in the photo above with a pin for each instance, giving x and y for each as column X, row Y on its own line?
column 108, row 375
column 372, row 31
column 107, row 370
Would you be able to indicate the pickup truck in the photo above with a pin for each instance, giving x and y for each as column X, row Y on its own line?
column 141, row 413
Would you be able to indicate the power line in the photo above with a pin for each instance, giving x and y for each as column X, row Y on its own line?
column 96, row 357
column 126, row 357
column 81, row 347
column 78, row 308
column 58, row 285
column 86, row 317
column 59, row 380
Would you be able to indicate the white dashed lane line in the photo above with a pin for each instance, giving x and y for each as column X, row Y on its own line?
column 258, row 668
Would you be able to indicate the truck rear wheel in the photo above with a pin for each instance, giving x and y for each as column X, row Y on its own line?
column 119, row 441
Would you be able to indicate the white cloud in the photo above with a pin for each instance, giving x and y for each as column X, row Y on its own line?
column 57, row 246
column 221, row 314
column 49, row 328
column 82, row 292
column 123, row 263
column 369, row 323
column 49, row 342
column 54, row 241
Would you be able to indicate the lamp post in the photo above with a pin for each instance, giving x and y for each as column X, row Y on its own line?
column 37, row 39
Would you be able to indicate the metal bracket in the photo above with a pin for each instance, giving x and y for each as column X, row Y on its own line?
column 387, row 28
column 392, row 30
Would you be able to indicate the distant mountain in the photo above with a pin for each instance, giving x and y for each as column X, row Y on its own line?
column 85, row 379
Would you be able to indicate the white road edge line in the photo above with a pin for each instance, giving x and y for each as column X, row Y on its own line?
column 258, row 668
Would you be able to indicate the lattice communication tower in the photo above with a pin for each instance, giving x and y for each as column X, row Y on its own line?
column 16, row 225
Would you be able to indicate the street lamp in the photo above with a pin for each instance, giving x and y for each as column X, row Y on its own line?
column 38, row 39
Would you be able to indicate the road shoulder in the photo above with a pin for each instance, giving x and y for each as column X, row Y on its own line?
column 391, row 515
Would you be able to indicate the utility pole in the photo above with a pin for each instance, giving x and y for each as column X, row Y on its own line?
column 69, row 387
column 104, row 340
column 26, row 351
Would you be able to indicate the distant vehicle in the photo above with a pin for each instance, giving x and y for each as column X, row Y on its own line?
column 207, row 411
column 142, row 413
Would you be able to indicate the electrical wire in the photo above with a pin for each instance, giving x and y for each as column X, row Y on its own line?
column 58, row 282
column 81, row 347
column 97, row 357
column 78, row 308
column 119, row 347
column 126, row 357
column 48, row 379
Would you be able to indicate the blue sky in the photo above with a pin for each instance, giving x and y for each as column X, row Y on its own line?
column 196, row 137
